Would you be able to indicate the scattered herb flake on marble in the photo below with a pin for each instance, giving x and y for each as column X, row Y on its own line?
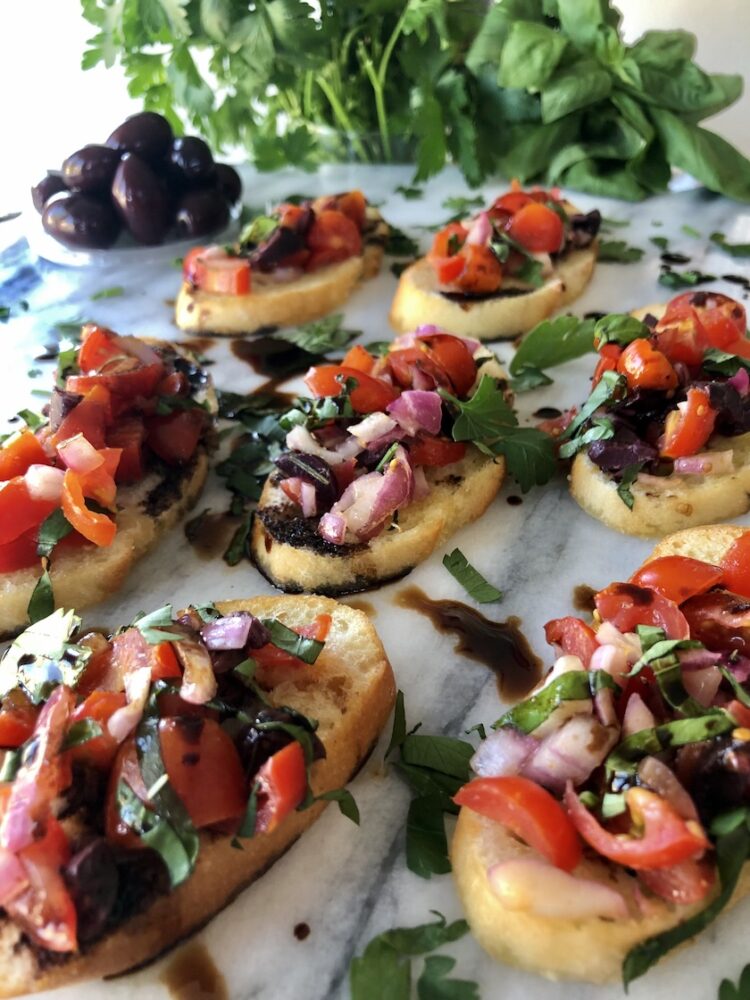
column 728, row 990
column 470, row 578
column 690, row 231
column 618, row 251
column 399, row 244
column 610, row 223
column 734, row 249
column 114, row 292
column 410, row 193
column 659, row 241
column 683, row 279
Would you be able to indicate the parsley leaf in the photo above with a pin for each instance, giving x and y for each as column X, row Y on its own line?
column 728, row 991
column 399, row 244
column 433, row 984
column 618, row 251
column 552, row 342
column 410, row 193
column 529, row 378
column 320, row 336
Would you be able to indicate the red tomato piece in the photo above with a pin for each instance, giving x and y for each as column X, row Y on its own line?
column 20, row 553
column 687, row 430
column 740, row 713
column 482, row 273
column 18, row 511
column 512, row 201
column 720, row 620
column 99, row 484
column 90, row 417
column 128, row 435
column 17, row 719
column 369, row 395
column 126, row 378
column 665, row 839
column 449, row 269
column 129, row 651
column 19, row 452
column 677, row 577
column 275, row 665
column 537, row 228
column 609, row 355
column 354, row 206
column 627, row 605
column 175, row 438
column 96, row 528
column 681, row 336
column 360, row 358
column 436, row 452
column 99, row 706
column 204, row 769
column 283, row 783
column 455, row 357
column 212, row 270
column 683, row 883
column 448, row 241
column 724, row 319
column 332, row 237
column 529, row 811
column 646, row 368
column 573, row 636
column 99, row 345
column 736, row 566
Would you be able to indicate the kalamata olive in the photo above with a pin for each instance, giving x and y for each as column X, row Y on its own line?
column 192, row 161
column 148, row 134
column 91, row 169
column 229, row 182
column 78, row 220
column 53, row 183
column 200, row 212
column 140, row 199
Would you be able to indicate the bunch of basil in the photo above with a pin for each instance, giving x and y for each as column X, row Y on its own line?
column 536, row 89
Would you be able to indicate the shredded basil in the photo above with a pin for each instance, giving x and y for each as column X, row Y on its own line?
column 624, row 758
column 53, row 528
column 42, row 600
column 154, row 627
column 575, row 685
column 470, row 578
column 158, row 834
column 307, row 650
column 81, row 732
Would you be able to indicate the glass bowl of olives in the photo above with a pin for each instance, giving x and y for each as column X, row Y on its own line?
column 144, row 190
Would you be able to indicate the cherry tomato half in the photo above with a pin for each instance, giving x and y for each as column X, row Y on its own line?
column 689, row 427
column 627, row 605
column 677, row 577
column 573, row 636
column 537, row 228
column 369, row 395
column 646, row 368
column 436, row 452
column 736, row 566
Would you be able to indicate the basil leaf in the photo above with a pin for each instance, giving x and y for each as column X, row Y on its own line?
column 718, row 362
column 658, row 649
column 601, row 429
column 659, row 241
column 247, row 827
column 410, row 193
column 608, row 387
column 692, row 231
column 531, row 713
column 613, row 805
column 42, row 600
column 439, row 753
column 618, row 251
column 462, row 205
column 731, row 852
column 433, row 985
column 237, row 548
column 307, row 650
column 53, row 528
column 156, row 833
column 684, row 279
column 649, row 742
column 552, row 342
column 619, row 328
column 320, row 336
column 258, row 229
column 628, row 477
column 529, row 378
column 154, row 627
column 734, row 249
column 398, row 732
column 426, row 840
column 739, row 692
column 470, row 578
column 32, row 420
column 346, row 803
column 728, row 821
column 81, row 732
column 12, row 761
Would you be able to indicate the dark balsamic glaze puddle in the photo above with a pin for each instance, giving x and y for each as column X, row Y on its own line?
column 500, row 646
column 301, row 931
column 192, row 975
column 738, row 279
column 197, row 345
column 275, row 358
column 547, row 413
column 210, row 533
column 583, row 597
column 674, row 258
column 514, row 501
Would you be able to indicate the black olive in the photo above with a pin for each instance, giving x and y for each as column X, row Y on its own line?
column 192, row 161
column 229, row 182
column 141, row 200
column 200, row 212
column 148, row 134
column 91, row 169
column 93, row 881
column 78, row 220
column 41, row 193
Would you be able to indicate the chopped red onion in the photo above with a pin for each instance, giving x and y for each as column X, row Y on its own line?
column 707, row 463
column 230, row 632
column 308, row 498
column 137, row 349
column 79, row 454
column 637, row 716
column 612, row 659
column 421, row 380
column 374, row 426
column 300, row 439
column 535, row 886
column 123, row 721
column 198, row 679
column 504, row 752
column 571, row 753
column 421, row 486
column 740, row 381
column 418, row 410
column 13, row 877
column 702, row 684
column 332, row 527
column 698, row 659
column 44, row 483
column 604, row 705
column 662, row 780
column 480, row 230
column 367, row 502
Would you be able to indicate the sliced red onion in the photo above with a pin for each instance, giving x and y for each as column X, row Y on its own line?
column 13, row 877
column 370, row 500
column 571, row 753
column 740, row 381
column 707, row 463
column 421, row 486
column 504, row 752
column 198, row 679
column 374, row 426
column 308, row 499
column 740, row 668
column 123, row 721
column 79, row 454
column 423, row 330
column 300, row 439
column 480, row 230
column 137, row 349
column 417, row 410
column 637, row 716
column 230, row 632
column 315, row 473
column 662, row 780
column 421, row 380
column 698, row 659
column 44, row 483
column 628, row 642
column 535, row 886
column 611, row 659
column 332, row 527
column 702, row 684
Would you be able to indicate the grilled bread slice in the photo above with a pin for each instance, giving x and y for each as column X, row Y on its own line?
column 350, row 690
column 271, row 303
column 288, row 551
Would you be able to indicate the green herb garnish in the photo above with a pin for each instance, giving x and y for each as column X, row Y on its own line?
column 470, row 578
column 617, row 251
column 108, row 293
column 734, row 249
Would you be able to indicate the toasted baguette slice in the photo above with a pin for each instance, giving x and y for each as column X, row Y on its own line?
column 289, row 552
column 350, row 690
column 591, row 949
column 282, row 304
column 666, row 504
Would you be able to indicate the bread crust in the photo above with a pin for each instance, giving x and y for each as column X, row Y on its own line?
column 290, row 555
column 592, row 949
column 351, row 690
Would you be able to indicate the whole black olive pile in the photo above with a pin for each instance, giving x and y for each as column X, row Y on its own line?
column 143, row 179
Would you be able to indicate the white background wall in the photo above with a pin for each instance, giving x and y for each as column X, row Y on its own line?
column 50, row 107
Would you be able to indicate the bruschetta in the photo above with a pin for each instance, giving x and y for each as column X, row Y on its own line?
column 118, row 456
column 151, row 776
column 372, row 480
column 665, row 442
column 499, row 274
column 297, row 264
column 607, row 823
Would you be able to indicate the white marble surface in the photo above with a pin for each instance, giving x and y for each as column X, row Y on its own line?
column 348, row 883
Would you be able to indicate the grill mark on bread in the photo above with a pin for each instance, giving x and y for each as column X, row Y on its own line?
column 285, row 526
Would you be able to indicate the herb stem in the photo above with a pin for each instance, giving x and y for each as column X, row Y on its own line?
column 377, row 88
column 343, row 118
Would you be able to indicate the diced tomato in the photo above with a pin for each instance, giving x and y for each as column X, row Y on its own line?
column 344, row 474
column 677, row 577
column 454, row 355
column 276, row 665
column 736, row 565
column 740, row 713
column 645, row 368
column 17, row 719
column 662, row 838
column 405, row 362
column 90, row 417
column 512, row 201
column 723, row 318
column 204, row 769
column 554, row 426
column 99, row 345
column 482, row 273
column 371, row 394
column 128, row 652
column 609, row 355
column 537, row 228
column 20, row 553
column 126, row 378
column 448, row 269
column 436, row 452
column 18, row 511
column 360, row 358
column 19, row 452
column 627, row 605
column 448, row 241
column 680, row 335
column 125, row 768
column 99, row 484
column 283, row 782
column 573, row 636
column 174, row 384
column 529, row 811
column 688, row 428
column 97, row 528
column 720, row 620
column 683, row 883
column 333, row 237
column 292, row 487
column 99, row 706
column 174, row 438
column 128, row 435
column 211, row 270
column 354, row 206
